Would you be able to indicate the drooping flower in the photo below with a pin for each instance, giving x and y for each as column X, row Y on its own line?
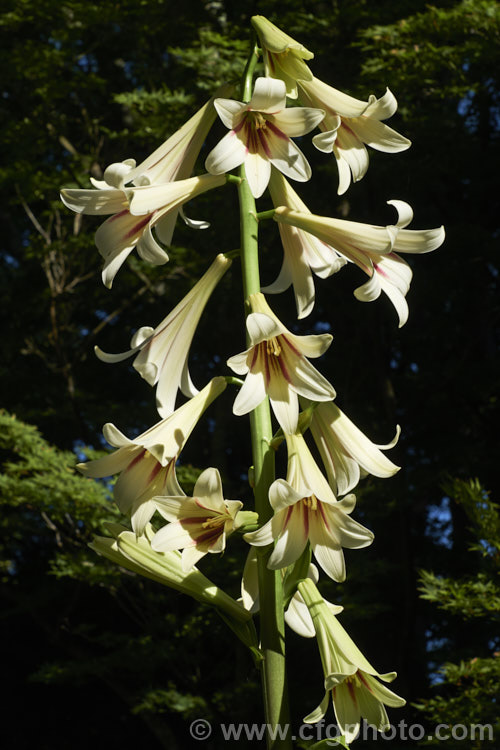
column 137, row 555
column 275, row 365
column 198, row 524
column 346, row 451
column 175, row 159
column 350, row 123
column 146, row 464
column 305, row 509
column 172, row 161
column 162, row 353
column 259, row 135
column 372, row 248
column 297, row 615
column 350, row 679
column 134, row 212
column 283, row 56
column 303, row 253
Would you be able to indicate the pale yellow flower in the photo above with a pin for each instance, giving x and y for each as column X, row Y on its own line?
column 276, row 365
column 260, row 134
column 350, row 680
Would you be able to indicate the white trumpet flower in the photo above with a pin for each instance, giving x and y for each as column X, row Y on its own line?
column 146, row 464
column 259, row 135
column 350, row 680
column 198, row 524
column 276, row 365
column 305, row 509
column 134, row 212
column 303, row 253
column 162, row 353
column 349, row 124
column 372, row 248
column 345, row 449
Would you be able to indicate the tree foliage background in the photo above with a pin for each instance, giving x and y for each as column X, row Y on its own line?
column 90, row 653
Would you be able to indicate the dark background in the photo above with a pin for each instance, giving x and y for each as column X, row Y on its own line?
column 92, row 657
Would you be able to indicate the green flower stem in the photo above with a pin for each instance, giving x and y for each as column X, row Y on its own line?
column 266, row 214
column 272, row 624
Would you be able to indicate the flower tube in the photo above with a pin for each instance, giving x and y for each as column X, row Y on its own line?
column 137, row 555
column 373, row 249
column 350, row 680
column 162, row 353
column 303, row 253
column 147, row 464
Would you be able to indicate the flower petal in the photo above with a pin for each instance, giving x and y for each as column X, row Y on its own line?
column 94, row 202
column 257, row 172
column 230, row 111
column 327, row 549
column 228, row 154
column 282, row 495
column 379, row 136
column 269, row 95
column 291, row 542
column 208, row 488
column 286, row 156
column 284, row 403
column 297, row 121
column 251, row 394
column 262, row 327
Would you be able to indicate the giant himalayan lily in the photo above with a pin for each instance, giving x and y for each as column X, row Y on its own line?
column 137, row 555
column 372, row 248
column 305, row 509
column 199, row 524
column 283, row 56
column 173, row 160
column 162, row 353
column 275, row 365
column 346, row 451
column 135, row 211
column 259, row 135
column 147, row 463
column 350, row 679
column 350, row 123
column 303, row 253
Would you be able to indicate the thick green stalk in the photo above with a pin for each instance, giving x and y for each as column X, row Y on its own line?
column 272, row 625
